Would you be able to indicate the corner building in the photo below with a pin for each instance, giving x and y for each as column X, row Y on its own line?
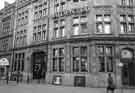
column 75, row 42
column 89, row 39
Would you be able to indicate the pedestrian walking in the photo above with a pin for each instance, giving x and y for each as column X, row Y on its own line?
column 111, row 85
column 7, row 77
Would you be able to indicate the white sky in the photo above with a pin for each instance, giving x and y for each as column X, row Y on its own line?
column 2, row 2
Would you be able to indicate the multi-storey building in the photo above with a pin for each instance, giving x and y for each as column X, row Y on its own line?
column 30, row 48
column 75, row 42
column 22, row 38
column 89, row 39
column 38, row 50
column 6, row 34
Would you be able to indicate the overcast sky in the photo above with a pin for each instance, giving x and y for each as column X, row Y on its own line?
column 2, row 2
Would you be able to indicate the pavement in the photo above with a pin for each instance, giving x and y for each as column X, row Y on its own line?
column 13, row 87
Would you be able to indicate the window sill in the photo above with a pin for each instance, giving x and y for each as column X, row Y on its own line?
column 81, row 34
column 103, row 34
column 130, row 33
column 59, row 38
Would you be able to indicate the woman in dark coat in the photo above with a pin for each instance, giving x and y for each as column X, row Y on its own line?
column 111, row 85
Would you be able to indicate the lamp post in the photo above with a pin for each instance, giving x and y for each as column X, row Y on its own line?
column 121, row 65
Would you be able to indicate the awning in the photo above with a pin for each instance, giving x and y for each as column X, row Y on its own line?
column 4, row 62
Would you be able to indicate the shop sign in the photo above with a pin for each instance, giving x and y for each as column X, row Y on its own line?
column 4, row 62
column 126, row 54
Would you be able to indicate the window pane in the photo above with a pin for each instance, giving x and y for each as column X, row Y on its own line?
column 75, row 64
column 109, row 64
column 130, row 27
column 100, row 50
column 56, row 24
column 122, row 18
column 76, row 30
column 76, row 51
column 76, row 20
column 83, row 51
column 62, row 22
column 123, row 2
column 84, row 19
column 107, row 18
column 99, row 27
column 54, row 64
column 107, row 28
column 61, row 51
column 63, row 31
column 99, row 18
column 84, row 64
column 130, row 18
column 44, row 35
column 57, row 33
column 61, row 64
column 131, row 2
column 84, row 28
column 55, row 52
column 123, row 27
column 102, row 63
column 108, row 50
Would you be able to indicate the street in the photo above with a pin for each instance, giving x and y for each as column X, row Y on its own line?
column 46, row 88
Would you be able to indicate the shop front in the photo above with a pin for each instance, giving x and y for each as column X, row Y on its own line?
column 128, row 69
column 4, row 69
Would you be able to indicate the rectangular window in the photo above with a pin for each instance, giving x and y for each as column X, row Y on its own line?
column 99, row 27
column 80, row 63
column 44, row 35
column 19, row 62
column 83, row 24
column 76, row 30
column 123, row 2
column 103, row 24
column 76, row 20
column 63, row 33
column 56, row 33
column 59, row 28
column 58, row 59
column 54, row 64
column 107, row 28
column 105, row 58
column 126, row 23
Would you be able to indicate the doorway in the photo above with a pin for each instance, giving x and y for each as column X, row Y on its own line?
column 39, row 65
column 128, row 74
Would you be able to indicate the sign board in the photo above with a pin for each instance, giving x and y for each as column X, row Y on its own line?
column 126, row 54
column 4, row 62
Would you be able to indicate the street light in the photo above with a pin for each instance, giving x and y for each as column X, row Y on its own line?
column 121, row 65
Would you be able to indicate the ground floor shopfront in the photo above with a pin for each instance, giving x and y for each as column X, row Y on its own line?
column 4, row 69
column 77, row 63
column 87, row 63
column 29, row 64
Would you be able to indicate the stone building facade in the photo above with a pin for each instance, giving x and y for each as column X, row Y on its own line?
column 75, row 42
column 89, row 39
column 6, row 34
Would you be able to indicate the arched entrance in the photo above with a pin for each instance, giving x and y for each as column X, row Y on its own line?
column 39, row 65
column 128, row 69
